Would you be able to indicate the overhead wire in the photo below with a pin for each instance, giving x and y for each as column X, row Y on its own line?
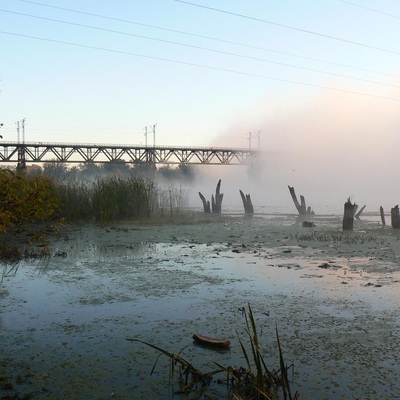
column 197, row 47
column 369, row 9
column 197, row 65
column 206, row 37
column 290, row 27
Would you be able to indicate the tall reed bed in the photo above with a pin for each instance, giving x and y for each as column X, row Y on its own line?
column 76, row 203
column 171, row 199
column 115, row 199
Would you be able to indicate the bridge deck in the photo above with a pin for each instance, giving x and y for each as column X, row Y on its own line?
column 37, row 152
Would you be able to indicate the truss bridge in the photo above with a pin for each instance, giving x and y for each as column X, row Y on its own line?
column 39, row 152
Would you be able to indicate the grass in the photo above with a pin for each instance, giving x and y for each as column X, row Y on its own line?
column 253, row 381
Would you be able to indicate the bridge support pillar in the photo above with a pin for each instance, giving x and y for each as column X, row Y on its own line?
column 21, row 166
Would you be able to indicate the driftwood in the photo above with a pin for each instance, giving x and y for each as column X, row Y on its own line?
column 216, row 202
column 395, row 216
column 382, row 215
column 348, row 215
column 301, row 207
column 247, row 204
column 357, row 216
column 206, row 204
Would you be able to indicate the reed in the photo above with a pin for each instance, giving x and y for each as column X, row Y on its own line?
column 114, row 199
column 171, row 199
column 254, row 381
column 75, row 198
column 107, row 199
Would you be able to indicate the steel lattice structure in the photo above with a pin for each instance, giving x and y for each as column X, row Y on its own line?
column 37, row 152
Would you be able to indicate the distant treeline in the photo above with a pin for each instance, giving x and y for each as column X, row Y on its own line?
column 59, row 171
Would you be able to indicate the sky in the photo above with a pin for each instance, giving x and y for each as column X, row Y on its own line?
column 314, row 84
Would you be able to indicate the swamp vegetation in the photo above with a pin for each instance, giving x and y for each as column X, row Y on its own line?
column 34, row 205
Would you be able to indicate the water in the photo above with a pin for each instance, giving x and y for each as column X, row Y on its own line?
column 65, row 321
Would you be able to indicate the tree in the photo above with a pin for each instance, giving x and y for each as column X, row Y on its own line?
column 56, row 170
column 25, row 200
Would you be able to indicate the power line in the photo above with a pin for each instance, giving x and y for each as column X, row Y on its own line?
column 197, row 47
column 197, row 65
column 207, row 37
column 370, row 9
column 291, row 27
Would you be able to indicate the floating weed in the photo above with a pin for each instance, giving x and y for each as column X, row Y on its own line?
column 337, row 238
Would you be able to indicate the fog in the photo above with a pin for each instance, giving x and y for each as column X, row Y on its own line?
column 339, row 146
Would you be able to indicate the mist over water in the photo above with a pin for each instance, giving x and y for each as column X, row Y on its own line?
column 337, row 147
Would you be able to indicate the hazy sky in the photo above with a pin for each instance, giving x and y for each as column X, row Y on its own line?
column 319, row 79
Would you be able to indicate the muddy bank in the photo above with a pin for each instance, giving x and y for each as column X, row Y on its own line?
column 64, row 320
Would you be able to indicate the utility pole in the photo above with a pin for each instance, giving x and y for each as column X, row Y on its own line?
column 23, row 130
column 21, row 166
column 17, row 123
column 257, row 134
column 154, row 134
column 145, row 136
column 1, row 136
column 258, row 138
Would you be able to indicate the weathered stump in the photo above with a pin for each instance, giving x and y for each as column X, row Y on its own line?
column 348, row 215
column 395, row 215
column 216, row 202
column 301, row 207
column 382, row 215
column 247, row 204
column 206, row 204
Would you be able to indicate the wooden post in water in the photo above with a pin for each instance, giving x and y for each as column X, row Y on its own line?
column 395, row 215
column 382, row 215
column 348, row 215
column 247, row 204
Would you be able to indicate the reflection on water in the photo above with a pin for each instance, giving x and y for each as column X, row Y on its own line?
column 9, row 270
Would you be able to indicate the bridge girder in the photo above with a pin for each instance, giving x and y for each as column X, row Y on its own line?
column 35, row 152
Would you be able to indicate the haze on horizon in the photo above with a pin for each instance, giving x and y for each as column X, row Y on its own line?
column 319, row 80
